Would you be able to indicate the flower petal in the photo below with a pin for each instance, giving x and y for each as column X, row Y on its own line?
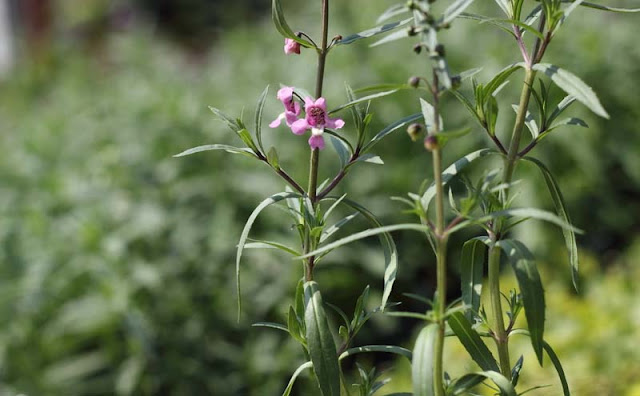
column 322, row 103
column 334, row 123
column 316, row 142
column 290, row 117
column 300, row 126
column 276, row 123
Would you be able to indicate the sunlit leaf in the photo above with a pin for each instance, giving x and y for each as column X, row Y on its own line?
column 422, row 364
column 472, row 342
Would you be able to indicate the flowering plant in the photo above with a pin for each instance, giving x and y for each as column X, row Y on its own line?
column 488, row 205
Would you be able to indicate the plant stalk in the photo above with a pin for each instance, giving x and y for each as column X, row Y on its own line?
column 500, row 334
column 314, row 160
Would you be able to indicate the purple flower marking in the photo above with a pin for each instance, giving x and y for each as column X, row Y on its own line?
column 291, row 108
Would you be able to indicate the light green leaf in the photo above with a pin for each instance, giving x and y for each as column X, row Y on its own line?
column 397, row 35
column 370, row 158
column 258, row 117
column 503, row 384
column 394, row 10
column 529, row 121
column 452, row 171
column 571, row 121
column 518, row 212
column 377, row 348
column 531, row 289
column 428, row 113
column 228, row 149
column 560, row 206
column 455, row 9
column 335, row 227
column 341, row 149
column 231, row 123
column 554, row 360
column 260, row 244
column 422, row 363
column 322, row 349
column 471, row 269
column 272, row 158
column 472, row 342
column 574, row 86
column 462, row 385
column 389, row 129
column 499, row 79
column 277, row 15
column 295, row 375
column 505, row 5
column 606, row 8
column 363, row 99
column 373, row 32
column 271, row 325
column 245, row 234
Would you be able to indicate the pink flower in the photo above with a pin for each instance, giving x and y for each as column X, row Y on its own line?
column 316, row 119
column 291, row 108
column 291, row 46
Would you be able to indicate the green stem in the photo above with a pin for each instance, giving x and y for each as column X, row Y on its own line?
column 314, row 160
column 500, row 334
column 438, row 370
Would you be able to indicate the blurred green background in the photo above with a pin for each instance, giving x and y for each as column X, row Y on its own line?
column 117, row 260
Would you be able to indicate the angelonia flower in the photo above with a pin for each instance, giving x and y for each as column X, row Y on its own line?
column 291, row 108
column 291, row 46
column 316, row 119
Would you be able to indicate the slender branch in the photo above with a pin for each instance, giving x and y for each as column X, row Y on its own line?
column 529, row 147
column 282, row 173
column 521, row 45
column 498, row 143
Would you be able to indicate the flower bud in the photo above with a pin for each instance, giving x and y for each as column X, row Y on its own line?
column 414, row 81
column 412, row 31
column 414, row 130
column 456, row 81
column 440, row 50
column 431, row 143
column 417, row 48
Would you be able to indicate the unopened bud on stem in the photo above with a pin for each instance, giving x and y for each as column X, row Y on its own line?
column 414, row 81
column 431, row 143
column 414, row 130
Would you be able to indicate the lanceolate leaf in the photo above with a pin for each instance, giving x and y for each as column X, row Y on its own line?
column 503, row 384
column 605, row 8
column 208, row 147
column 422, row 364
column 231, row 123
column 260, row 244
column 282, row 26
column 394, row 10
column 322, row 349
column 245, row 234
column 258, row 118
column 388, row 247
column 471, row 267
column 295, row 375
column 472, row 342
column 455, row 9
column 554, row 360
column 377, row 348
column 506, row 6
column 530, row 284
column 574, row 86
column 453, row 170
column 518, row 212
column 558, row 201
column 391, row 128
column 397, row 35
column 428, row 113
column 363, row 99
column 374, row 31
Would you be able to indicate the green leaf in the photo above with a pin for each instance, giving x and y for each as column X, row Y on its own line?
column 245, row 234
column 505, row 5
column 531, row 289
column 529, row 121
column 471, row 269
column 452, row 171
column 373, row 31
column 397, row 35
column 295, row 375
column 468, row 105
column 335, row 227
column 295, row 329
column 607, row 8
column 277, row 15
column 228, row 149
column 272, row 158
column 370, row 158
column 363, row 99
column 503, row 384
column 462, row 385
column 428, row 113
column 485, row 19
column 394, row 10
column 554, row 360
column 322, row 349
column 271, row 325
column 518, row 212
column 389, row 129
column 472, row 342
column 558, row 202
column 231, row 123
column 574, row 86
column 388, row 247
column 562, row 106
column 455, row 9
column 341, row 149
column 261, row 244
column 258, row 117
column 377, row 348
column 422, row 363
column 571, row 121
column 500, row 78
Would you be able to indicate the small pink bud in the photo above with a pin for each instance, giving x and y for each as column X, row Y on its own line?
column 291, row 46
column 431, row 143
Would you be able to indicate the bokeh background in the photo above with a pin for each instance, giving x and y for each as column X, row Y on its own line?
column 117, row 260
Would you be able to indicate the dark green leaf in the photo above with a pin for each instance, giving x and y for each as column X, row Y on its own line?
column 258, row 117
column 472, row 342
column 515, row 371
column 272, row 158
column 558, row 202
column 295, row 329
column 471, row 269
column 295, row 375
column 531, row 289
column 322, row 349
column 574, row 86
column 277, row 15
column 422, row 363
column 464, row 384
column 373, row 31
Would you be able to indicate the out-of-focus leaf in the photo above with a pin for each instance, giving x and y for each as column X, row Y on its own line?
column 295, row 375
column 422, row 363
column 277, row 15
column 471, row 269
column 454, row 9
column 373, row 31
column 258, row 117
column 397, row 35
column 363, row 99
column 224, row 147
column 394, row 10
column 391, row 128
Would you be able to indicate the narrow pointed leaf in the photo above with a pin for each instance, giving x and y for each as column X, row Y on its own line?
column 455, row 9
column 471, row 270
column 560, row 206
column 529, row 121
column 261, row 244
column 503, row 384
column 574, row 86
column 394, row 10
column 422, row 363
column 531, row 289
column 335, row 227
column 464, row 384
column 505, row 6
column 607, row 8
column 391, row 128
column 394, row 36
column 277, row 15
column 533, row 213
column 231, row 123
column 258, row 117
column 374, row 31
column 428, row 113
column 245, row 234
column 363, row 99
column 271, row 325
column 295, row 375
column 224, row 147
column 322, row 349
column 377, row 348
column 472, row 342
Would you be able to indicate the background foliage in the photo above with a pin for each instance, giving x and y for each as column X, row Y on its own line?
column 116, row 267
